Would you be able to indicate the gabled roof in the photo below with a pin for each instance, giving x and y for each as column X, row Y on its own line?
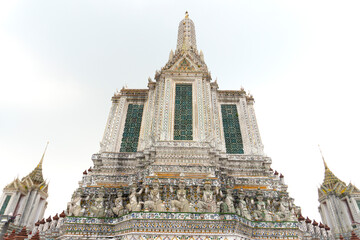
column 186, row 60
column 16, row 185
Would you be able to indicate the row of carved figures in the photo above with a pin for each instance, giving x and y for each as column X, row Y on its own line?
column 252, row 208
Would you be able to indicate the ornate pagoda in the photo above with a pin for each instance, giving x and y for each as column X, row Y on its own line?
column 182, row 159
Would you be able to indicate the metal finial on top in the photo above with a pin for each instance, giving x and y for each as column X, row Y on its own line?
column 42, row 158
column 325, row 165
column 36, row 175
column 186, row 14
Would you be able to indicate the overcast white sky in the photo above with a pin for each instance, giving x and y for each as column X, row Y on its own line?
column 61, row 61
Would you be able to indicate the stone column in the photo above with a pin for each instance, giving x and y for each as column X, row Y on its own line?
column 109, row 125
column 245, row 126
column 117, row 126
column 258, row 147
column 12, row 203
column 216, row 118
column 35, row 209
column 148, row 116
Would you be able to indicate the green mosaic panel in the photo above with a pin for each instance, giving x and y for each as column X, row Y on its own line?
column 6, row 202
column 233, row 139
column 183, row 112
column 132, row 127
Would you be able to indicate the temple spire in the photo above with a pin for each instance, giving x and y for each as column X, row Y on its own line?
column 330, row 180
column 186, row 34
column 36, row 174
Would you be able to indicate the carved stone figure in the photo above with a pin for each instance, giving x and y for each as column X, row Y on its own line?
column 134, row 205
column 208, row 203
column 98, row 209
column 242, row 209
column 74, row 207
column 294, row 211
column 261, row 213
column 228, row 204
column 54, row 222
column 118, row 209
column 284, row 212
column 181, row 204
column 155, row 203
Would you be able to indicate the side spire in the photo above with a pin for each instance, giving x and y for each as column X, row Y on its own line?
column 36, row 175
column 331, row 182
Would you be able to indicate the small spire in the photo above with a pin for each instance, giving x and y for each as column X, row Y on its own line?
column 186, row 35
column 201, row 55
column 36, row 175
column 330, row 180
column 171, row 55
column 56, row 217
column 42, row 158
column 62, row 215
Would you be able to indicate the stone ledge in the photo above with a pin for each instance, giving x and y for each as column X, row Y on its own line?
column 174, row 223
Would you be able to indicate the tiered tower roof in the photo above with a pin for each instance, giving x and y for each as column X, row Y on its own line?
column 333, row 185
column 36, row 175
column 186, row 34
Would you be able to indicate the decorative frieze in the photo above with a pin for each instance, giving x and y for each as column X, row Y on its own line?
column 190, row 224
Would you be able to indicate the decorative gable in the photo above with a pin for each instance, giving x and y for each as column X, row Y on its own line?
column 186, row 61
column 184, row 65
column 14, row 185
column 352, row 190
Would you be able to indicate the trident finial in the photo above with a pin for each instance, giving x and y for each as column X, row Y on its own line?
column 325, row 165
column 42, row 158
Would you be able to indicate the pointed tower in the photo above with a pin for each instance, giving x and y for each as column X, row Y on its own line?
column 186, row 34
column 25, row 199
column 182, row 159
column 339, row 204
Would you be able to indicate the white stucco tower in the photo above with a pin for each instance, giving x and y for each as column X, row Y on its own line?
column 25, row 199
column 182, row 159
column 165, row 111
